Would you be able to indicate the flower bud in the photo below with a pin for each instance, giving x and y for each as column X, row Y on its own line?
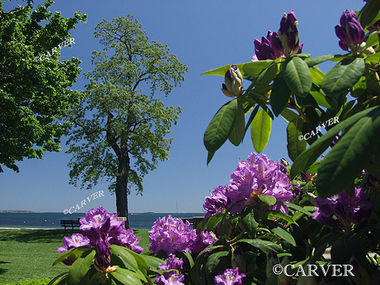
column 269, row 47
column 288, row 34
column 350, row 32
column 103, row 255
column 233, row 82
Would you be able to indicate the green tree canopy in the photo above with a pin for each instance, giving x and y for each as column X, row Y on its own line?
column 33, row 91
column 121, row 128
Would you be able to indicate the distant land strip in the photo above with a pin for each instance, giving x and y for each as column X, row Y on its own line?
column 17, row 211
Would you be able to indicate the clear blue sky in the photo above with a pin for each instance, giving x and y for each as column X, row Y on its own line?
column 203, row 35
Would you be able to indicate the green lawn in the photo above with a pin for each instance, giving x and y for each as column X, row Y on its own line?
column 29, row 254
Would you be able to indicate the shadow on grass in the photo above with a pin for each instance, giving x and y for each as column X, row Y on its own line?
column 2, row 270
column 35, row 235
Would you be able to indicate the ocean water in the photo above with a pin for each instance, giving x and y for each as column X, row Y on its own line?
column 52, row 220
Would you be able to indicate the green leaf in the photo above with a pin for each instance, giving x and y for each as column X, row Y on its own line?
column 237, row 133
column 72, row 254
column 189, row 258
column 297, row 76
column 306, row 158
column 255, row 68
column 284, row 235
column 343, row 76
column 210, row 155
column 373, row 58
column 372, row 39
column 295, row 145
column 317, row 75
column 319, row 59
column 127, row 258
column 247, row 69
column 213, row 221
column 280, row 215
column 349, row 156
column 298, row 208
column 253, row 114
column 220, row 126
column 78, row 270
column 288, row 115
column 260, row 130
column 152, row 261
column 221, row 71
column 370, row 13
column 216, row 262
column 259, row 96
column 280, row 95
column 268, row 199
column 249, row 223
column 314, row 167
column 264, row 245
column 126, row 276
column 267, row 75
column 59, row 279
column 141, row 263
column 321, row 99
column 302, row 55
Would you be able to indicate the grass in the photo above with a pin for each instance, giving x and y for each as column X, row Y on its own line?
column 29, row 254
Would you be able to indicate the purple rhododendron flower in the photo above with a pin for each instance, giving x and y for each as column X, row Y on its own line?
column 268, row 47
column 103, row 254
column 350, row 32
column 288, row 34
column 203, row 240
column 98, row 224
column 126, row 238
column 102, row 229
column 347, row 209
column 171, row 235
column 230, row 277
column 258, row 175
column 215, row 203
column 170, row 279
column 76, row 240
column 172, row 263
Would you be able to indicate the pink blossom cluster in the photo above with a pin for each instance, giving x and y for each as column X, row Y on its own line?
column 172, row 235
column 253, row 177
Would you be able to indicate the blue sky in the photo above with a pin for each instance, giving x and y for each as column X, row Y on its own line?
column 203, row 35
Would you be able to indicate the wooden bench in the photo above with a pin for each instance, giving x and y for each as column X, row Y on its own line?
column 194, row 221
column 70, row 223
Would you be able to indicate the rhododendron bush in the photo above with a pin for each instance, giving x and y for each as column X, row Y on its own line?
column 321, row 209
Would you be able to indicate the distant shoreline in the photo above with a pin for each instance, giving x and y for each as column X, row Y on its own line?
column 18, row 211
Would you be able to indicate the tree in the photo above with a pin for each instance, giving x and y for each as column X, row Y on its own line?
column 33, row 89
column 121, row 128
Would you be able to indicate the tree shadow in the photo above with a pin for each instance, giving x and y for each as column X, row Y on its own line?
column 35, row 235
column 2, row 270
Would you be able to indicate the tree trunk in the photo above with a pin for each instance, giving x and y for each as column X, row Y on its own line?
column 122, row 188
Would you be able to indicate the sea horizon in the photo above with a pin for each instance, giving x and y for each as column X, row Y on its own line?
column 46, row 220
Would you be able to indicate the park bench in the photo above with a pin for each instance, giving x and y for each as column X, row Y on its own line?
column 70, row 223
column 194, row 221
